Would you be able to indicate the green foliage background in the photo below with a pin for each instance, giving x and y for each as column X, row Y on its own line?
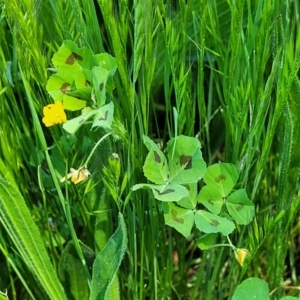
column 231, row 70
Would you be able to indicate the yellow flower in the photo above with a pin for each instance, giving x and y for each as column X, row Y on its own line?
column 54, row 114
column 77, row 175
column 240, row 255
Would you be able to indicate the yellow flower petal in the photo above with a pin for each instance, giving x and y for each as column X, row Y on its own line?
column 240, row 255
column 77, row 175
column 54, row 114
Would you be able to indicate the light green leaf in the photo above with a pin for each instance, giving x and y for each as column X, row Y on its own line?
column 222, row 176
column 211, row 198
column 100, row 76
column 211, row 223
column 251, row 289
column 104, row 116
column 240, row 207
column 190, row 201
column 155, row 166
column 73, row 125
column 168, row 192
column 185, row 160
column 179, row 218
column 72, row 103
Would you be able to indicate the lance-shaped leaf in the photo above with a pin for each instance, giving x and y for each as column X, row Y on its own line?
column 108, row 262
column 211, row 223
column 179, row 218
column 211, row 198
column 240, row 207
column 104, row 116
column 168, row 192
column 222, row 176
column 185, row 160
column 155, row 166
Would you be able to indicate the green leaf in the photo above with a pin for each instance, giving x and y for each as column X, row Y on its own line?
column 72, row 103
column 100, row 76
column 179, row 218
column 250, row 289
column 107, row 62
column 155, row 166
column 69, row 58
column 17, row 222
column 190, row 201
column 211, row 198
column 207, row 241
column 73, row 125
column 104, row 116
column 71, row 271
column 211, row 223
column 240, row 207
column 222, row 176
column 185, row 160
column 168, row 192
column 108, row 262
column 58, row 85
column 289, row 298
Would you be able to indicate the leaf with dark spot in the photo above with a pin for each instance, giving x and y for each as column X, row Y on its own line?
column 81, row 121
column 186, row 159
column 168, row 191
column 175, row 216
column 220, row 178
column 105, row 117
column 72, row 58
column 157, row 157
column 240, row 207
column 65, row 87
column 101, row 86
column 214, row 223
column 87, row 83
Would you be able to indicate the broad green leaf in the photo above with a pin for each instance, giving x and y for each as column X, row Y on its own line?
column 190, row 201
column 240, row 207
column 72, row 103
column 17, row 223
column 104, row 116
column 108, row 262
column 71, row 271
column 58, row 85
column 222, row 176
column 185, row 160
column 251, row 289
column 106, row 61
column 289, row 298
column 70, row 58
column 168, row 192
column 100, row 76
column 73, row 125
column 155, row 166
column 211, row 223
column 179, row 218
column 211, row 198
column 207, row 241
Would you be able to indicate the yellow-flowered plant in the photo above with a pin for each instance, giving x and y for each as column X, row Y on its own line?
column 77, row 175
column 240, row 255
column 54, row 114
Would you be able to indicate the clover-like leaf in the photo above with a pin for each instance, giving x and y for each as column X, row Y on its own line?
column 222, row 176
column 211, row 198
column 185, row 160
column 190, row 201
column 240, row 207
column 104, row 116
column 211, row 223
column 169, row 192
column 155, row 166
column 72, row 103
column 207, row 241
column 179, row 218
column 73, row 125
column 100, row 76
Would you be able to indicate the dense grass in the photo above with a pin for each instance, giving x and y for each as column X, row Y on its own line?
column 231, row 70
